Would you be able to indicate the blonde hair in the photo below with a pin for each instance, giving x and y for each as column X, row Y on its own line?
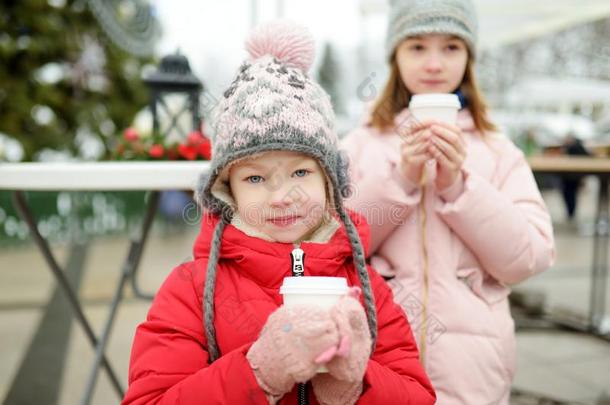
column 395, row 97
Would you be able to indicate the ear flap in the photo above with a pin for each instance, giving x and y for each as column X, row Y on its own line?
column 202, row 183
column 207, row 201
column 342, row 170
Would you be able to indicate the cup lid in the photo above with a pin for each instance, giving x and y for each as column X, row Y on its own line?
column 435, row 100
column 313, row 283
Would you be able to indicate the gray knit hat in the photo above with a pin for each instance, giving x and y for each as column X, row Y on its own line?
column 415, row 17
column 273, row 105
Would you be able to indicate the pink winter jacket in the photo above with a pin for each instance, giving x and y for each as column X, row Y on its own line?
column 453, row 257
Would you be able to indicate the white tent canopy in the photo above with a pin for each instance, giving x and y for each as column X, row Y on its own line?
column 550, row 128
column 508, row 21
column 546, row 91
column 214, row 45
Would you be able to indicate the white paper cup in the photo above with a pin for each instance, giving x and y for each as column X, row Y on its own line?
column 441, row 107
column 319, row 291
column 322, row 292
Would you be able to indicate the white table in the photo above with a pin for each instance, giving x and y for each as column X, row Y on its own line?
column 100, row 176
column 106, row 176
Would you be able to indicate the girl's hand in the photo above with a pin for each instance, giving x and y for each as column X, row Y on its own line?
column 448, row 147
column 342, row 385
column 415, row 151
column 292, row 344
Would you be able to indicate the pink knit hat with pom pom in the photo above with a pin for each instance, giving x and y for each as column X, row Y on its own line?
column 273, row 104
column 291, row 44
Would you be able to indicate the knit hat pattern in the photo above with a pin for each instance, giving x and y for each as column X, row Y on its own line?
column 418, row 17
column 272, row 104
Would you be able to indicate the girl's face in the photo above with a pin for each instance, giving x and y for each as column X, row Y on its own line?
column 433, row 63
column 281, row 194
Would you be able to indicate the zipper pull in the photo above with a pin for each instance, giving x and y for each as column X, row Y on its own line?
column 298, row 262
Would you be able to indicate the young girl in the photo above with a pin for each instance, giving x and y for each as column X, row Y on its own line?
column 455, row 214
column 217, row 331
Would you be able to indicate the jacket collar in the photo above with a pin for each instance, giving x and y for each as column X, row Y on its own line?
column 267, row 263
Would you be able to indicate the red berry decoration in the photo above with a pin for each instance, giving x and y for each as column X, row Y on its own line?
column 188, row 152
column 195, row 138
column 131, row 135
column 156, row 151
column 205, row 149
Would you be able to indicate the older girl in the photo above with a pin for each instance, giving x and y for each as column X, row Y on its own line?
column 455, row 214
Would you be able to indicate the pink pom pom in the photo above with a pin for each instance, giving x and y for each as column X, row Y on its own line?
column 290, row 43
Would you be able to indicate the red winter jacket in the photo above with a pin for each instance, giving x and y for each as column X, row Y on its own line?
column 169, row 360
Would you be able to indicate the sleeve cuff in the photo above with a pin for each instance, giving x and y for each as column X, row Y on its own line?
column 451, row 193
column 411, row 189
column 382, row 266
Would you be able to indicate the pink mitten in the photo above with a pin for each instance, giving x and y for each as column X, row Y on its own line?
column 343, row 383
column 330, row 391
column 286, row 351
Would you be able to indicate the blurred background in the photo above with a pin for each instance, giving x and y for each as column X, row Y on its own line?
column 73, row 88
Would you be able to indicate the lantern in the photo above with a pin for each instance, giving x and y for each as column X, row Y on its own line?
column 174, row 103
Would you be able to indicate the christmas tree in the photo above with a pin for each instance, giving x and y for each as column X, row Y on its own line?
column 71, row 69
column 328, row 77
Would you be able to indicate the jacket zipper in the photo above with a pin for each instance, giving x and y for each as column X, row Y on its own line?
column 298, row 261
column 424, row 323
column 298, row 270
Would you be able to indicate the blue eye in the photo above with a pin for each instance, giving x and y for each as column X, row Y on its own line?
column 254, row 179
column 301, row 173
